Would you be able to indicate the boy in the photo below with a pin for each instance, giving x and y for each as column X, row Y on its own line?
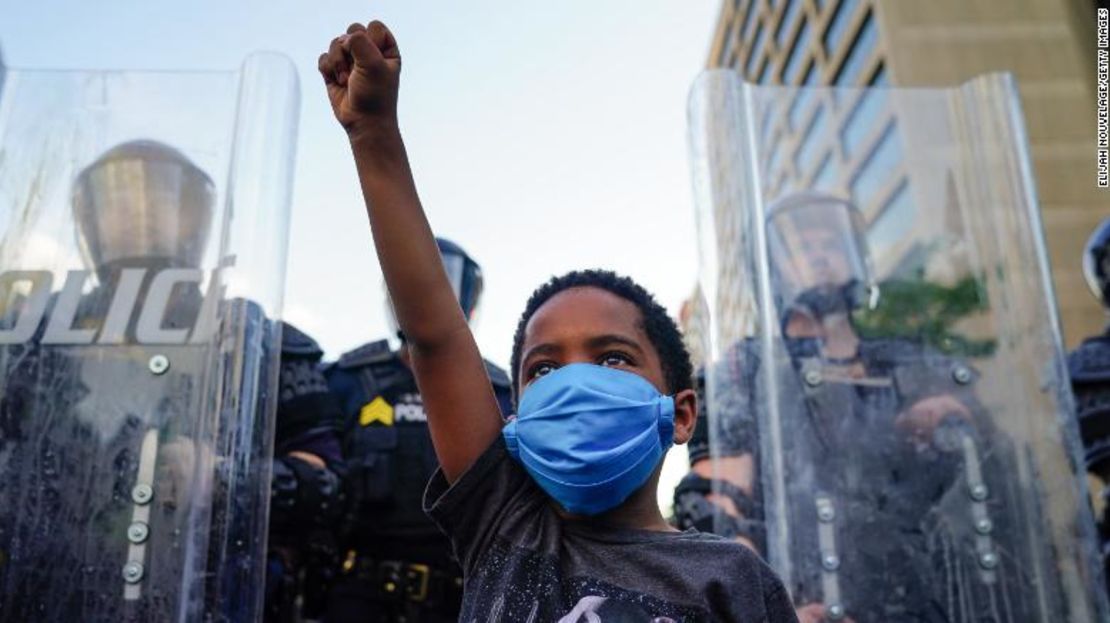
column 603, row 388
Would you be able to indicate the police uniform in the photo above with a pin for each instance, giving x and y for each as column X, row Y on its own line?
column 129, row 462
column 397, row 564
column 1089, row 368
column 692, row 508
column 305, row 501
column 101, row 457
column 900, row 532
column 915, row 532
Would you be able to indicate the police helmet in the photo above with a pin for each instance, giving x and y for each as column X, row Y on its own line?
column 143, row 200
column 464, row 274
column 818, row 253
column 465, row 277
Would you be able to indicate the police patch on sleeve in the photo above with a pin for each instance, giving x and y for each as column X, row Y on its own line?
column 410, row 408
column 377, row 410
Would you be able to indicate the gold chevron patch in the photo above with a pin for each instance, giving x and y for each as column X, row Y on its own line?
column 377, row 410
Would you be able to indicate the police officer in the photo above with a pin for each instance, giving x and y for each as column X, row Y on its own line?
column 397, row 565
column 1089, row 367
column 722, row 500
column 129, row 437
column 894, row 488
column 305, row 502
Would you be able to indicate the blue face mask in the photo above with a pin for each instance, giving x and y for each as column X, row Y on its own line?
column 590, row 436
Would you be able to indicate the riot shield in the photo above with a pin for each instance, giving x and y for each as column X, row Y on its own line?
column 143, row 230
column 885, row 350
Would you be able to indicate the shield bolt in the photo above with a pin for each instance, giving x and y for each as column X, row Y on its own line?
column 812, row 377
column 978, row 492
column 133, row 572
column 830, row 562
column 961, row 374
column 988, row 560
column 142, row 494
column 835, row 612
column 984, row 526
column 826, row 514
column 158, row 364
column 138, row 532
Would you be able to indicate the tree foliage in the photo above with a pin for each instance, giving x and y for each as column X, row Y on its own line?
column 928, row 312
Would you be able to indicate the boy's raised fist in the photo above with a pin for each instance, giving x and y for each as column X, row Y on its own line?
column 362, row 70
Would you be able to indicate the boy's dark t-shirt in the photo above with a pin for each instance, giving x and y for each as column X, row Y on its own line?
column 522, row 562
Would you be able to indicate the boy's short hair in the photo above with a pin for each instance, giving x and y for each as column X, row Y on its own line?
column 657, row 324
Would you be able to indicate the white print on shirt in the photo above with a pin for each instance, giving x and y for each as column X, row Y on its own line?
column 588, row 610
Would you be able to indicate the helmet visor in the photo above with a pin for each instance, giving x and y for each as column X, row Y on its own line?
column 815, row 244
column 143, row 200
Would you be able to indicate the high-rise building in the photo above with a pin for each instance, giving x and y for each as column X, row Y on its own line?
column 693, row 319
column 850, row 142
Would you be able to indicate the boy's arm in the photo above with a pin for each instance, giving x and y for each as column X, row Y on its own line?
column 362, row 71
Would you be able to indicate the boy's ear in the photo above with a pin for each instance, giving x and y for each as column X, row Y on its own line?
column 685, row 415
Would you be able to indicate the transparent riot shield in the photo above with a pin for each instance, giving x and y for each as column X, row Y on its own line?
column 885, row 354
column 143, row 229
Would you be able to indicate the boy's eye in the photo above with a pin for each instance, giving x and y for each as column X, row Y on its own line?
column 540, row 369
column 615, row 359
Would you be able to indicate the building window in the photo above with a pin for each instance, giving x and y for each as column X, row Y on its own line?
column 798, row 54
column 814, row 141
column 864, row 120
column 765, row 73
column 896, row 219
column 828, row 176
column 728, row 39
column 750, row 18
column 834, row 36
column 756, row 50
column 787, row 20
column 879, row 79
column 774, row 162
column 803, row 98
column 734, row 31
column 812, row 76
column 879, row 168
column 767, row 121
column 862, row 49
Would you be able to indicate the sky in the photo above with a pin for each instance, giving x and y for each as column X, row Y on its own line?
column 544, row 136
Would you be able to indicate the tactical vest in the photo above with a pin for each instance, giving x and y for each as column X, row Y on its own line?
column 102, row 474
column 389, row 455
column 905, row 532
column 875, row 523
column 1089, row 368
